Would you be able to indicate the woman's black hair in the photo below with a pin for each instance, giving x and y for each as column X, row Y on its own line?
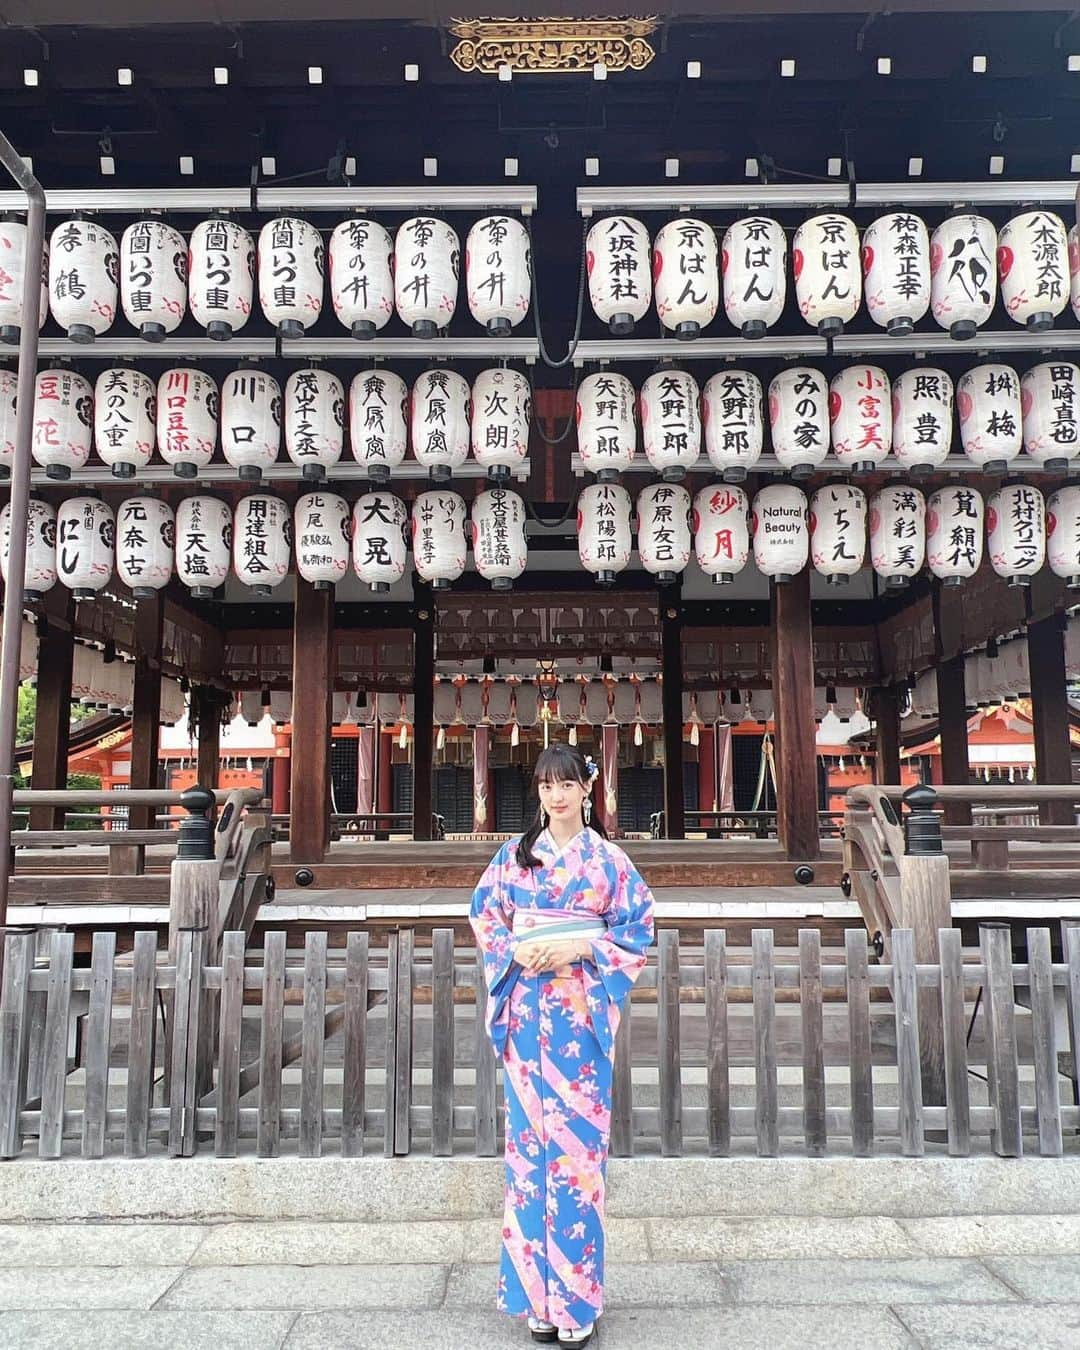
column 557, row 763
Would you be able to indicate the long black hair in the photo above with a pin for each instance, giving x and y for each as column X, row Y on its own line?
column 557, row 763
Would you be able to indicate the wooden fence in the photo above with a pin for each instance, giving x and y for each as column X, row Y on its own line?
column 723, row 1051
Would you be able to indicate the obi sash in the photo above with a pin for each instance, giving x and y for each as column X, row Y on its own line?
column 555, row 923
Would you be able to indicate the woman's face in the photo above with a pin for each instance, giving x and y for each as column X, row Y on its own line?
column 561, row 798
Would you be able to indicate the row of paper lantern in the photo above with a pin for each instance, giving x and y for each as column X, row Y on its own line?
column 125, row 416
column 902, row 270
column 155, row 276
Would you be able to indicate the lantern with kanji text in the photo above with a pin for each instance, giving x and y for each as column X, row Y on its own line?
column 1050, row 400
column 362, row 276
column 322, row 530
column 606, row 427
column 125, row 412
column 145, row 544
column 204, row 528
column 671, row 422
column 9, row 388
column 84, row 275
column 501, row 403
column 221, row 277
column 438, row 537
column 427, row 260
column 379, row 548
column 860, row 410
column 686, row 278
column 1016, row 532
column 378, row 422
column 262, row 536
column 497, row 527
column 12, row 272
column 963, row 274
column 991, row 419
column 40, row 574
column 603, row 530
column 896, row 271
column 291, row 267
column 1063, row 534
column 663, row 530
column 922, row 418
column 63, row 419
column 250, row 421
column 828, row 279
column 838, row 531
column 498, row 283
column 85, row 545
column 754, row 267
column 732, row 413
column 721, row 519
column 799, row 419
column 314, row 419
column 440, row 422
column 617, row 258
column 187, row 419
column 1033, row 268
column 954, row 533
column 897, row 533
column 153, row 278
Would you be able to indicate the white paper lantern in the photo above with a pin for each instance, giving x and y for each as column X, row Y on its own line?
column 1016, row 532
column 779, row 531
column 1050, row 399
column 991, row 420
column 860, row 410
column 954, row 533
column 323, row 527
column 314, row 421
column 618, row 260
column 440, row 422
column 85, row 545
column 84, row 274
column 9, row 388
column 732, row 411
column 799, row 419
column 1074, row 273
column 828, row 279
column 606, row 427
column 153, row 278
column 498, row 537
column 721, row 521
column 663, row 530
column 187, row 418
column 125, row 408
column 291, row 271
column 427, row 260
column 378, row 422
column 497, row 278
column 686, row 279
column 1033, row 268
column 754, row 265
column 671, row 422
column 603, row 530
column 380, row 551
column 262, row 535
column 897, row 533
column 896, row 271
column 250, row 422
column 145, row 544
column 63, row 418
column 963, row 274
column 1063, row 534
column 12, row 273
column 40, row 548
column 438, row 537
column 922, row 418
column 838, row 531
column 362, row 276
column 204, row 528
column 221, row 277
column 501, row 408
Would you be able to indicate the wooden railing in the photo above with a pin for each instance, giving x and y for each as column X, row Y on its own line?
column 734, row 824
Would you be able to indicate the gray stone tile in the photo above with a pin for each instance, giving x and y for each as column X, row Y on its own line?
column 88, row 1287
column 662, row 1285
column 626, row 1240
column 1021, row 1326
column 897, row 1280
column 996, row 1234
column 297, row 1243
column 786, row 1328
column 145, row 1331
column 710, row 1239
column 1047, row 1279
column 308, row 1288
column 99, row 1244
column 447, row 1329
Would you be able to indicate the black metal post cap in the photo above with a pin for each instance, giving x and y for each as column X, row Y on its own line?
column 196, row 834
column 922, row 824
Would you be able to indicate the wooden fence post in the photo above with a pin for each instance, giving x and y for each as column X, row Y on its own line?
column 926, row 907
column 1002, row 1071
column 14, row 1038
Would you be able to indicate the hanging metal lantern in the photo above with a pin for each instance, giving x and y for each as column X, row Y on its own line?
column 145, row 544
column 1050, row 399
column 204, row 529
column 721, row 521
column 40, row 548
column 963, row 274
column 896, row 271
column 1033, row 269
column 63, row 418
column 1016, row 532
column 379, row 548
column 323, row 527
column 9, row 388
column 291, row 272
column 606, row 428
column 838, row 531
column 671, row 422
column 498, row 537
column 153, row 278
column 85, row 545
column 828, row 280
column 663, row 531
column 125, row 410
column 187, row 418
column 731, row 409
column 1063, row 534
column 991, row 421
column 603, row 530
column 860, row 411
column 799, row 419
column 221, row 277
column 617, row 258
column 262, row 535
column 250, row 422
column 378, row 422
column 754, row 266
column 84, row 273
column 501, row 410
column 686, row 278
column 922, row 418
column 12, row 272
column 438, row 537
column 497, row 273
column 440, row 422
column 314, row 421
column 778, row 525
column 362, row 276
column 897, row 533
column 954, row 533
column 427, row 260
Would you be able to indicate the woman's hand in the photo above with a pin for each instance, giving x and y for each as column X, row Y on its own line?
column 541, row 954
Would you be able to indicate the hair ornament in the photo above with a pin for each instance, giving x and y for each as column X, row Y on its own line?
column 593, row 768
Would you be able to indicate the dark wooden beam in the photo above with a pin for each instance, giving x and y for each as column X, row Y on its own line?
column 52, row 715
column 309, row 798
column 671, row 667
column 423, row 708
column 146, row 705
column 952, row 732
column 885, row 710
column 208, row 704
column 1050, row 713
column 793, row 714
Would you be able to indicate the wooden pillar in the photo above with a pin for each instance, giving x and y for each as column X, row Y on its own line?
column 885, row 709
column 793, row 714
column 280, row 775
column 52, row 716
column 483, row 816
column 671, row 666
column 708, row 795
column 386, row 770
column 423, row 708
column 208, row 707
column 1050, row 714
column 952, row 732
column 146, row 705
column 309, row 805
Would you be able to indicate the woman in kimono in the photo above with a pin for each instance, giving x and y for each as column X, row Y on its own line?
column 564, row 921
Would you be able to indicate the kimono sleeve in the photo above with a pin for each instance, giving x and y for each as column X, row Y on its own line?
column 491, row 916
column 621, row 953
